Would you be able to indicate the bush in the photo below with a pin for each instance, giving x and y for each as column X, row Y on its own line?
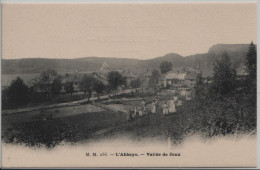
column 68, row 98
column 39, row 98
column 17, row 94
column 41, row 133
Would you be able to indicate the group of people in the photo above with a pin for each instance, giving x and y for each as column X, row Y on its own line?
column 168, row 107
column 138, row 111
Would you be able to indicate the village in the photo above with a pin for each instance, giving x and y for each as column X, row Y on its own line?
column 93, row 94
column 139, row 84
column 165, row 103
column 177, row 85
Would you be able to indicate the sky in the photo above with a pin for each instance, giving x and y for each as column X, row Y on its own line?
column 123, row 30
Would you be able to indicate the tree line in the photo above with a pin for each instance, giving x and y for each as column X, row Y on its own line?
column 228, row 104
column 49, row 84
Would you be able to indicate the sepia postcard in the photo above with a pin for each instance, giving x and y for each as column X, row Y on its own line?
column 129, row 85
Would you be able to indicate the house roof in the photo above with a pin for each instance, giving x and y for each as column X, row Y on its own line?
column 73, row 77
column 124, row 73
column 191, row 75
column 179, row 76
column 182, row 76
column 77, row 77
column 105, row 73
column 129, row 75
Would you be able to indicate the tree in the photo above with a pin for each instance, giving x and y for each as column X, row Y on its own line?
column 124, row 81
column 251, row 78
column 5, row 100
column 56, row 86
column 47, row 81
column 154, row 79
column 199, row 83
column 69, row 88
column 135, row 83
column 251, row 61
column 165, row 67
column 115, row 79
column 200, row 88
column 87, row 84
column 18, row 93
column 224, row 76
column 99, row 87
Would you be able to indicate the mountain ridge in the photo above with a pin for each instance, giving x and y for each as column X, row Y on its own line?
column 237, row 53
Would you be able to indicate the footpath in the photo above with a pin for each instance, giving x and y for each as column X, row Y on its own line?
column 58, row 105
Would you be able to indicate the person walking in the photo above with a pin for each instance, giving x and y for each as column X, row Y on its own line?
column 143, row 106
column 165, row 108
column 153, row 109
column 140, row 111
column 179, row 102
column 129, row 118
column 135, row 112
column 175, row 98
column 171, row 106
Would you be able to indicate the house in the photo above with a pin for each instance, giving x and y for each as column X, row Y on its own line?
column 129, row 76
column 76, row 78
column 173, row 79
column 190, row 79
column 183, row 78
column 147, row 75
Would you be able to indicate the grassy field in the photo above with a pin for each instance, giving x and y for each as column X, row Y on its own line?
column 80, row 123
column 154, row 126
column 52, row 131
